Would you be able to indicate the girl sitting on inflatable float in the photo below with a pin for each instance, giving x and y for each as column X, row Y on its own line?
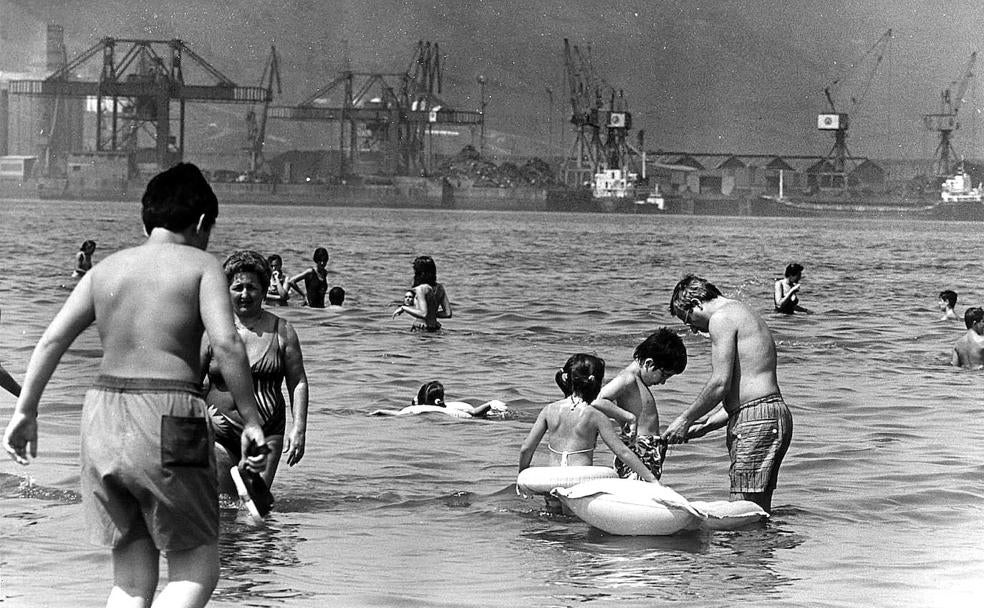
column 574, row 428
column 430, row 399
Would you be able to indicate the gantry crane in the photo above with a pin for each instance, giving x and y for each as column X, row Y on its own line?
column 945, row 122
column 137, row 88
column 600, row 131
column 256, row 126
column 851, row 88
column 391, row 112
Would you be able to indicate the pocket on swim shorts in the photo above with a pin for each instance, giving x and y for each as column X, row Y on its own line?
column 757, row 441
column 184, row 441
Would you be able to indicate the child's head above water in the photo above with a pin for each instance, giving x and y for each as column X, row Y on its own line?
column 582, row 376
column 949, row 297
column 431, row 393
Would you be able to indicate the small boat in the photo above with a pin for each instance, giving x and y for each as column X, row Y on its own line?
column 958, row 189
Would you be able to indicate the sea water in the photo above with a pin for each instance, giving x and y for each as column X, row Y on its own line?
column 880, row 500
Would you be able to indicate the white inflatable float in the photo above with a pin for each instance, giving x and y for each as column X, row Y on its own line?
column 630, row 507
column 455, row 409
column 542, row 480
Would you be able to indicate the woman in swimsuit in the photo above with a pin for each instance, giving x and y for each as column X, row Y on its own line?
column 785, row 298
column 83, row 259
column 574, row 425
column 274, row 356
column 429, row 301
column 315, row 280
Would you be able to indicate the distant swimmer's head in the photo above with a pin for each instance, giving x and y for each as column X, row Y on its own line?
column 179, row 198
column 88, row 246
column 248, row 262
column 275, row 261
column 320, row 256
column 431, row 393
column 690, row 293
column 424, row 271
column 408, row 297
column 948, row 299
column 794, row 272
column 973, row 316
column 582, row 376
column 661, row 356
column 336, row 295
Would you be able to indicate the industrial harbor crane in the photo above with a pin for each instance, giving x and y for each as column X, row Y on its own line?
column 390, row 112
column 590, row 152
column 136, row 88
column 945, row 122
column 852, row 87
column 256, row 126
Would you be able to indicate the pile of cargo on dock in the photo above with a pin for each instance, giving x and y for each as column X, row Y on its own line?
column 468, row 165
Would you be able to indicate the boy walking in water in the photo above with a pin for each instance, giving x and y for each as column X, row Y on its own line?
column 628, row 398
column 148, row 469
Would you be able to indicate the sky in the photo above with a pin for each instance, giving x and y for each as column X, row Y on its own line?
column 699, row 75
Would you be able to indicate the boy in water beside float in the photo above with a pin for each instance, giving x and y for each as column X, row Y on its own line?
column 628, row 399
column 148, row 469
column 575, row 426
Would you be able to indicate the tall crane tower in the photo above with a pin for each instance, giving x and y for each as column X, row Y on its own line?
column 852, row 89
column 600, row 130
column 256, row 125
column 945, row 122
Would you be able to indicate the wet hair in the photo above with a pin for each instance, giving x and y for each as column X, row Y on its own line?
column 973, row 315
column 320, row 254
column 431, row 393
column 336, row 295
column 691, row 287
column 247, row 261
column 176, row 198
column 582, row 375
column 794, row 269
column 88, row 244
column 274, row 258
column 424, row 271
column 950, row 297
column 665, row 348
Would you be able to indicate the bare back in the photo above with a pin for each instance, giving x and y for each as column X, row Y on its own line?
column 629, row 392
column 740, row 337
column 969, row 350
column 147, row 303
column 572, row 430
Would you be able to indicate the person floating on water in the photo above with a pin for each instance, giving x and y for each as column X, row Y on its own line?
column 787, row 289
column 274, row 354
column 315, row 280
column 575, row 426
column 336, row 296
column 148, row 468
column 430, row 399
column 430, row 300
column 968, row 352
column 628, row 399
column 279, row 291
column 948, row 299
column 743, row 379
column 83, row 259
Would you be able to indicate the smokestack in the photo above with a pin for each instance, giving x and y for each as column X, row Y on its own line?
column 55, row 48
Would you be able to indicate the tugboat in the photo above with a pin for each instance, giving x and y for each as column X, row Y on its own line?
column 958, row 189
column 622, row 190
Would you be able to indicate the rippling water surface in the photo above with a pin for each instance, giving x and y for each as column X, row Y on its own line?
column 880, row 500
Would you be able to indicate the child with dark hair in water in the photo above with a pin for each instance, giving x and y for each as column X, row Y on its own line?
column 315, row 280
column 574, row 425
column 83, row 259
column 948, row 299
column 430, row 399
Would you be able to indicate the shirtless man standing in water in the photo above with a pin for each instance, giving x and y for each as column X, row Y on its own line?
column 969, row 350
column 743, row 379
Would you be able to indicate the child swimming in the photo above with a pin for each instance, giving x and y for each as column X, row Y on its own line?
column 430, row 399
column 575, row 426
